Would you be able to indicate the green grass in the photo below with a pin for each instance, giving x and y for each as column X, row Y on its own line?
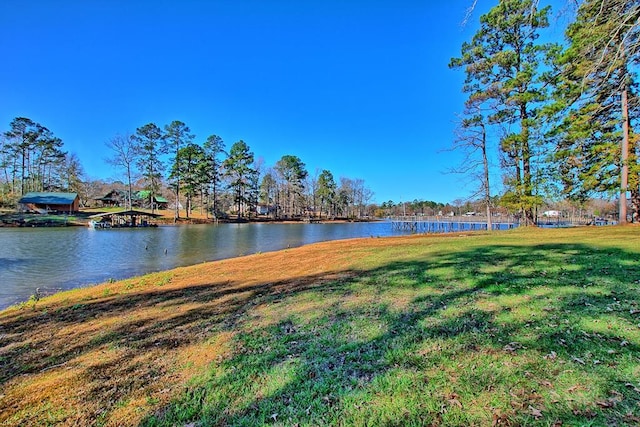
column 530, row 327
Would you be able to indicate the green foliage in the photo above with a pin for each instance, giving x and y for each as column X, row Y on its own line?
column 212, row 167
column 326, row 190
column 150, row 147
column 241, row 174
column 177, row 135
column 504, row 78
column 597, row 75
column 32, row 157
column 189, row 172
column 292, row 171
column 269, row 189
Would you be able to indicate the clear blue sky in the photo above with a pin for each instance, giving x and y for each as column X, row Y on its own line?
column 359, row 87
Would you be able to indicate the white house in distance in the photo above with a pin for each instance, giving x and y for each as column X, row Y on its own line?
column 552, row 214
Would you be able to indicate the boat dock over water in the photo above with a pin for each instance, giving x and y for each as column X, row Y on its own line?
column 450, row 224
column 123, row 219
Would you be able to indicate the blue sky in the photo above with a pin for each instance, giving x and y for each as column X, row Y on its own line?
column 361, row 88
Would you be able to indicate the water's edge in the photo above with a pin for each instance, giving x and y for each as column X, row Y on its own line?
column 55, row 259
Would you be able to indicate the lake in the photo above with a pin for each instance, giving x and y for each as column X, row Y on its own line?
column 54, row 259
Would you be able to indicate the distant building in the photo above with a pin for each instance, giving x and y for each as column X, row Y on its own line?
column 50, row 202
column 143, row 199
column 552, row 214
column 113, row 198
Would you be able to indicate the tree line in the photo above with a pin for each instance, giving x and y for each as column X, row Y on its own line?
column 222, row 181
column 32, row 159
column 562, row 115
column 165, row 159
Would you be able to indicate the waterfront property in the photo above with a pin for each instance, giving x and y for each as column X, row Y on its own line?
column 528, row 327
column 113, row 198
column 143, row 198
column 50, row 202
column 84, row 256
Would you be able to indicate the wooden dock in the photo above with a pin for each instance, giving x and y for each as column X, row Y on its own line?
column 449, row 224
column 452, row 224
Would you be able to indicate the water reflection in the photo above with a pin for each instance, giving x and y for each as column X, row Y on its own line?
column 64, row 258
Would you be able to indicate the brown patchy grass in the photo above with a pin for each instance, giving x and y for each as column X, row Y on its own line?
column 115, row 352
column 466, row 329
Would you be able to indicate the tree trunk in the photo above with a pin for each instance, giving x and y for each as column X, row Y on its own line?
column 130, row 194
column 527, row 188
column 23, row 180
column 624, row 156
column 485, row 165
column 635, row 205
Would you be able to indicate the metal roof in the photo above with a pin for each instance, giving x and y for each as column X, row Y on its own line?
column 126, row 213
column 144, row 194
column 49, row 198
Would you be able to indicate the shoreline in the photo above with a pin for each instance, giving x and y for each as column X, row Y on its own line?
column 80, row 219
column 86, row 265
column 339, row 327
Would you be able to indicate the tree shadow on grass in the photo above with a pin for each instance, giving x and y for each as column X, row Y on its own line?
column 510, row 326
column 116, row 344
column 408, row 343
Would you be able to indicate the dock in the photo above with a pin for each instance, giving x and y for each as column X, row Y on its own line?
column 123, row 219
column 449, row 224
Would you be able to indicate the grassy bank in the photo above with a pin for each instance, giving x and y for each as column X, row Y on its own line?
column 526, row 327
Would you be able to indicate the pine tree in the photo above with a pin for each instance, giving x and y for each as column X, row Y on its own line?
column 150, row 146
column 326, row 191
column 597, row 150
column 241, row 174
column 188, row 166
column 503, row 65
column 177, row 135
column 213, row 149
column 293, row 173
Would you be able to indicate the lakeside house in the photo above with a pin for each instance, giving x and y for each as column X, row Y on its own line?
column 143, row 199
column 113, row 198
column 50, row 202
column 263, row 210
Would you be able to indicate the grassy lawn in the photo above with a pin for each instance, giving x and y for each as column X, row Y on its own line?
column 527, row 327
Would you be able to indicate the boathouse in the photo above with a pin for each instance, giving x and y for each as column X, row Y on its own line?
column 50, row 202
column 128, row 218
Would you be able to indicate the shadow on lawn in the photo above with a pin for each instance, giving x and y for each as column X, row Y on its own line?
column 325, row 371
column 318, row 372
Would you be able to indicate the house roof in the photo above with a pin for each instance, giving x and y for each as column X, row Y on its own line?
column 125, row 213
column 144, row 194
column 49, row 198
column 113, row 195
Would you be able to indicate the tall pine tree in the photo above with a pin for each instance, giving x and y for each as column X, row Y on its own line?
column 150, row 147
column 178, row 135
column 503, row 66
column 241, row 174
column 597, row 150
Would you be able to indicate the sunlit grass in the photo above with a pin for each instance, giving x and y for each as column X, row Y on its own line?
column 527, row 327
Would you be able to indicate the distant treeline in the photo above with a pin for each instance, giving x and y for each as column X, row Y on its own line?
column 169, row 162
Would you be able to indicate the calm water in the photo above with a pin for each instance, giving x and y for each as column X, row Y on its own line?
column 63, row 258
